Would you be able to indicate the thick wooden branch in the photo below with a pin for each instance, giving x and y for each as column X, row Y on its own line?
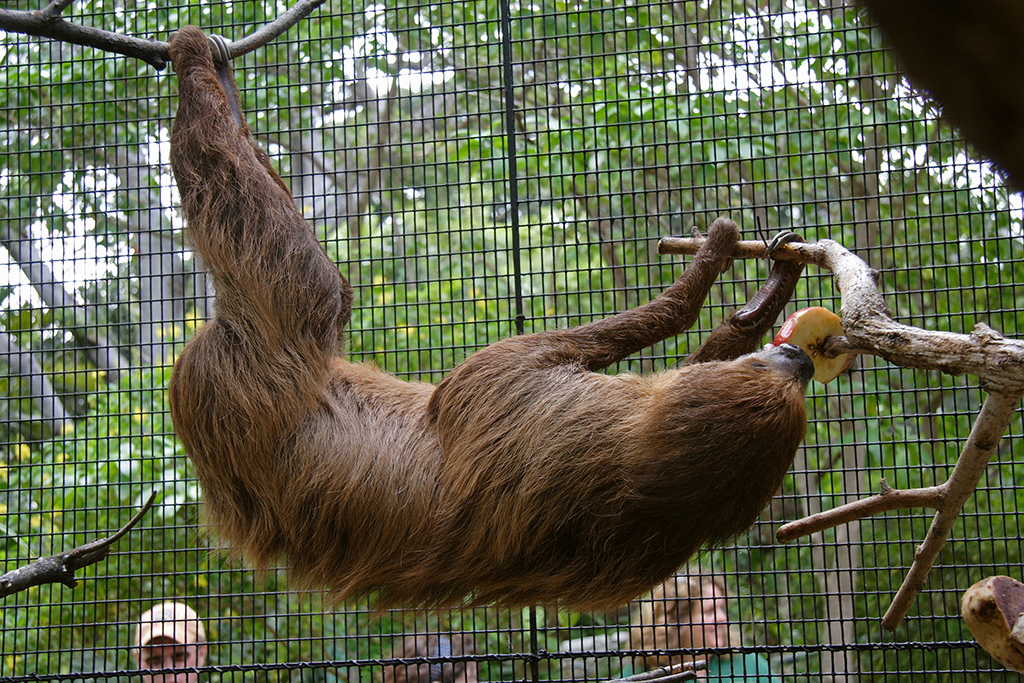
column 997, row 361
column 48, row 23
column 61, row 568
column 867, row 322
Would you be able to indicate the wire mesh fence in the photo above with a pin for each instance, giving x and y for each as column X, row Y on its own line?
column 476, row 170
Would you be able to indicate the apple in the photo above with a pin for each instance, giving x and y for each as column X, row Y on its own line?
column 808, row 328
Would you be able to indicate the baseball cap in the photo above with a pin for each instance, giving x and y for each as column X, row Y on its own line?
column 174, row 620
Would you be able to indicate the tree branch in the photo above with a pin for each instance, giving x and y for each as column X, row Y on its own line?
column 297, row 13
column 61, row 568
column 886, row 500
column 64, row 305
column 48, row 23
column 997, row 361
column 23, row 363
column 687, row 671
column 991, row 424
column 54, row 9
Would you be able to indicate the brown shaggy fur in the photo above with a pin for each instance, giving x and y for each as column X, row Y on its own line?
column 525, row 477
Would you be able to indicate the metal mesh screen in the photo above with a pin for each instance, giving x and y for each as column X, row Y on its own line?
column 478, row 169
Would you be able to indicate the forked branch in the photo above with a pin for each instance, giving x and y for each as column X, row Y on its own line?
column 48, row 23
column 997, row 361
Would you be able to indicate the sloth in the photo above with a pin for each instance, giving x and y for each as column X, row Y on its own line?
column 526, row 476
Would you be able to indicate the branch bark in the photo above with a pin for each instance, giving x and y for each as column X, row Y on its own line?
column 997, row 361
column 61, row 568
column 48, row 23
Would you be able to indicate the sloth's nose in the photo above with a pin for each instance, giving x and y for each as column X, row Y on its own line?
column 791, row 359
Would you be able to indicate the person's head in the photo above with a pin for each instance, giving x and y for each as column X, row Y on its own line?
column 684, row 612
column 170, row 635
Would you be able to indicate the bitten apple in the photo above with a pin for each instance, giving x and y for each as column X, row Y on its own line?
column 808, row 328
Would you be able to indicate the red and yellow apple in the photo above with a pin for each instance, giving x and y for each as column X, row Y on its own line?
column 808, row 328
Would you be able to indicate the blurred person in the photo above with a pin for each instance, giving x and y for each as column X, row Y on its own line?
column 439, row 646
column 170, row 636
column 690, row 613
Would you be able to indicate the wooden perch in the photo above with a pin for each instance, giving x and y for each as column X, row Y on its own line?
column 61, row 568
column 48, row 23
column 997, row 361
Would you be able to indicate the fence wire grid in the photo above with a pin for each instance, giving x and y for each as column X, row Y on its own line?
column 478, row 169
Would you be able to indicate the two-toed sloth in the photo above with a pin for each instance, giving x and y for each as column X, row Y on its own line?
column 524, row 477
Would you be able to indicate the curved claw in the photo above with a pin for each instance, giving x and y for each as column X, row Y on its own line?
column 781, row 239
column 219, row 49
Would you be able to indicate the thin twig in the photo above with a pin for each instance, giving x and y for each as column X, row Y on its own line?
column 48, row 23
column 54, row 9
column 744, row 249
column 61, row 568
column 948, row 499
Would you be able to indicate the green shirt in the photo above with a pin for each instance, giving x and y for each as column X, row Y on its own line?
column 746, row 668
